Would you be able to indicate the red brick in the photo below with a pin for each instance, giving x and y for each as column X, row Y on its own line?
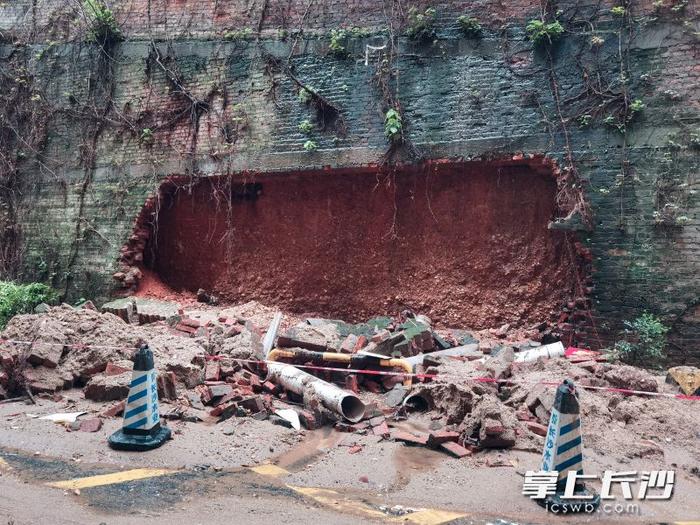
column 410, row 439
column 90, row 425
column 348, row 344
column 360, row 344
column 493, row 427
column 114, row 410
column 204, row 393
column 439, row 437
column 166, row 386
column 192, row 323
column 184, row 328
column 381, row 430
column 115, row 370
column 269, row 386
column 255, row 383
column 535, row 427
column 455, row 449
column 309, row 420
column 355, row 449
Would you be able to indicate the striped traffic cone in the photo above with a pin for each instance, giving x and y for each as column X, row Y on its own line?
column 141, row 429
column 563, row 453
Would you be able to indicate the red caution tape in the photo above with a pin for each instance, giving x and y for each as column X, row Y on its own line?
column 627, row 391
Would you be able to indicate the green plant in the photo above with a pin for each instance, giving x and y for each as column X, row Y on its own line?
column 585, row 120
column 614, row 122
column 238, row 34
column 337, row 44
column 103, row 26
column 146, row 135
column 421, row 25
column 305, row 95
column 306, row 126
column 339, row 39
column 636, row 105
column 469, row 25
column 618, row 10
column 22, row 298
column 644, row 340
column 310, row 145
column 541, row 32
column 393, row 125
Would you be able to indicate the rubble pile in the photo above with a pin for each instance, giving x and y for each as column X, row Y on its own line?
column 480, row 390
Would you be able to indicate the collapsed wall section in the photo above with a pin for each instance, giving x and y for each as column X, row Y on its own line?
column 467, row 243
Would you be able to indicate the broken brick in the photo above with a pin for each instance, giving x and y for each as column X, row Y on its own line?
column 252, row 404
column 492, row 427
column 350, row 427
column 45, row 354
column 192, row 323
column 114, row 410
column 348, row 345
column 224, row 412
column 181, row 327
column 270, row 387
column 220, row 390
column 204, row 393
column 90, row 425
column 438, row 437
column 309, row 420
column 455, row 449
column 114, row 370
column 212, row 372
column 351, row 383
column 355, row 449
column 166, row 386
column 410, row 439
column 537, row 428
column 360, row 344
column 381, row 430
column 377, row 420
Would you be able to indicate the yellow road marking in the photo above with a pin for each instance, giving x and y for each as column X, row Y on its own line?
column 110, row 479
column 430, row 517
column 270, row 470
column 337, row 501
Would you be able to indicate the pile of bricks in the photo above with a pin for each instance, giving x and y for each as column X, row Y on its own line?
column 445, row 440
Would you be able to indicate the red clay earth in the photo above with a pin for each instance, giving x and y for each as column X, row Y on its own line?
column 467, row 244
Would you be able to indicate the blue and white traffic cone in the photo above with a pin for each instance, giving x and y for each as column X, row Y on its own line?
column 141, row 429
column 563, row 454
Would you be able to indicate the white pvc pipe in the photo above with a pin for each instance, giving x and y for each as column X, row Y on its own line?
column 332, row 397
column 547, row 351
column 271, row 334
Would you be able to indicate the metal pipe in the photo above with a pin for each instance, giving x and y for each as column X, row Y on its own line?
column 456, row 351
column 357, row 361
column 332, row 397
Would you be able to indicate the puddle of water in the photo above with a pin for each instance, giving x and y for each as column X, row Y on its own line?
column 309, row 450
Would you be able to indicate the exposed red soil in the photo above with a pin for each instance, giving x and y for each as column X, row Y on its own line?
column 467, row 244
column 151, row 285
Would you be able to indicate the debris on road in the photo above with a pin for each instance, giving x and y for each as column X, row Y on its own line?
column 478, row 390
